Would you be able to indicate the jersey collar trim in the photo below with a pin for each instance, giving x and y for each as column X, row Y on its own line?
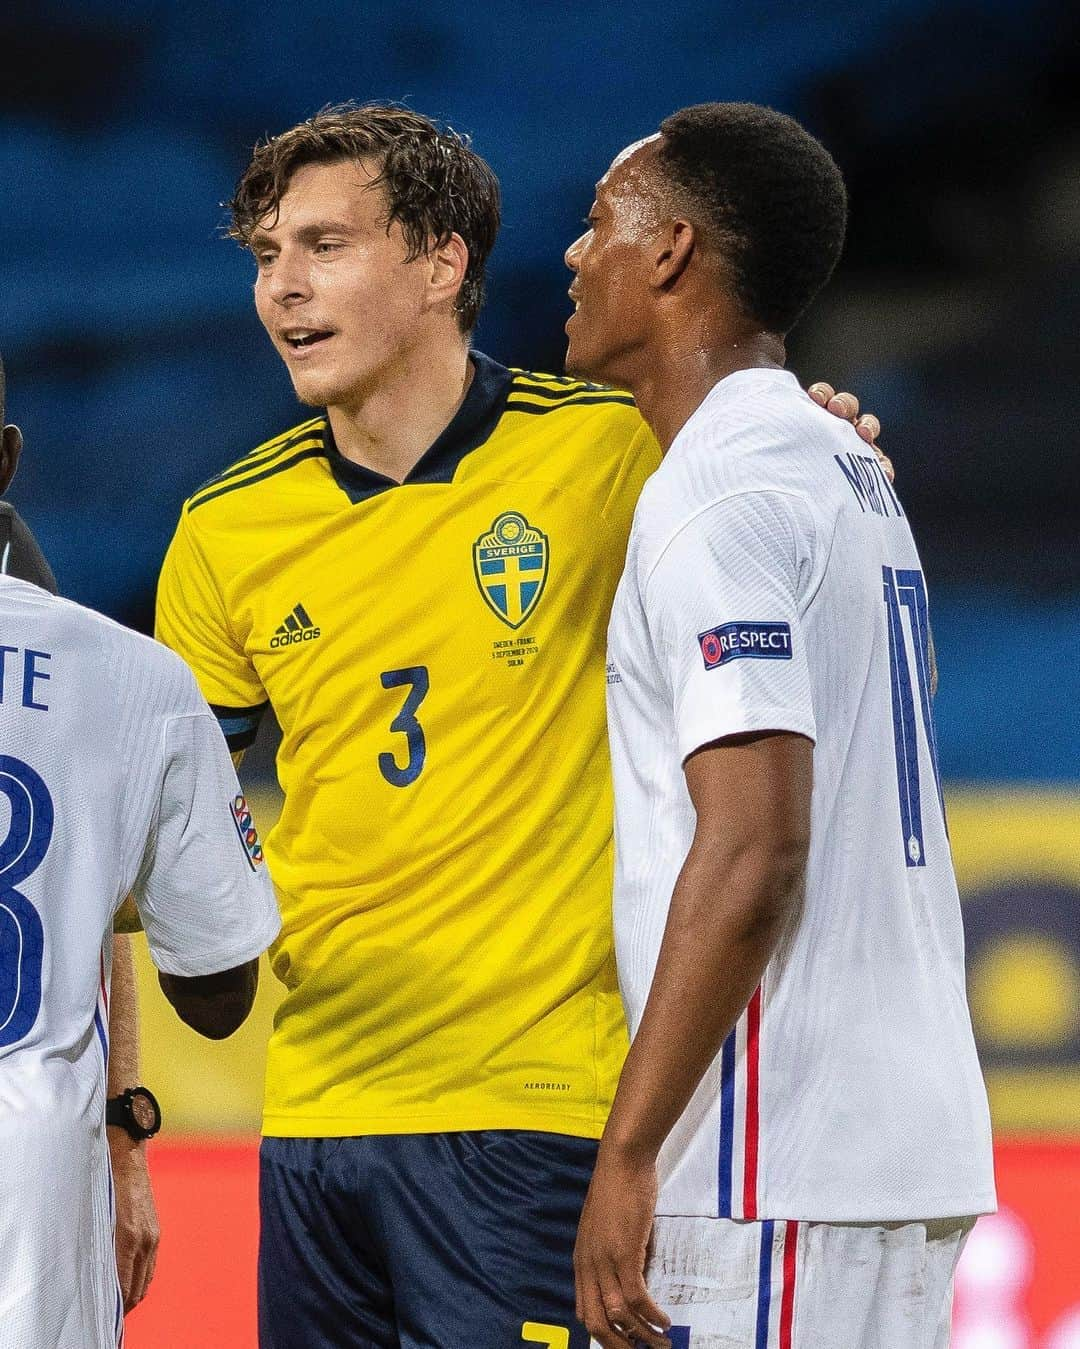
column 472, row 424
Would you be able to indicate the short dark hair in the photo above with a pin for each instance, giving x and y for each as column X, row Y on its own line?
column 768, row 195
column 435, row 184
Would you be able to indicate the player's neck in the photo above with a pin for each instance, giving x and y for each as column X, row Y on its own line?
column 388, row 426
column 677, row 377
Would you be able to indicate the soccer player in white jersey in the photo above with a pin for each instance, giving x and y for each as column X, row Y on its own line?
column 137, row 1230
column 114, row 778
column 802, row 1107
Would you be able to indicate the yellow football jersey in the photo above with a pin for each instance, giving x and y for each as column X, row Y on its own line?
column 434, row 653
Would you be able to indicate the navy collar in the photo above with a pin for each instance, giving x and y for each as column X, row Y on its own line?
column 472, row 424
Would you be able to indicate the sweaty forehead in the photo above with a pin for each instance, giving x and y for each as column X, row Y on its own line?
column 630, row 166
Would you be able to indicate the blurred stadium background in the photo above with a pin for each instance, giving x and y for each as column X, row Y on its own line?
column 136, row 368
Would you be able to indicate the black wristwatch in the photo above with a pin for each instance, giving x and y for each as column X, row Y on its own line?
column 136, row 1111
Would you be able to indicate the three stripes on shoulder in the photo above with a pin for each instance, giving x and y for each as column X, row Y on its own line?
column 537, row 394
column 273, row 456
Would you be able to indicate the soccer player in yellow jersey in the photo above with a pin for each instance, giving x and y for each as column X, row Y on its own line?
column 418, row 580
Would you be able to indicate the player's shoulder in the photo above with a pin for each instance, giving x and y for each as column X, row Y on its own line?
column 588, row 431
column 756, row 411
column 757, row 430
column 565, row 399
column 126, row 653
column 228, row 490
column 755, row 439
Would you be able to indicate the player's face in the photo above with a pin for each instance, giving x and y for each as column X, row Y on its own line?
column 610, row 261
column 333, row 288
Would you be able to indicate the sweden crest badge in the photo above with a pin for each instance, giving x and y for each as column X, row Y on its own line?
column 511, row 564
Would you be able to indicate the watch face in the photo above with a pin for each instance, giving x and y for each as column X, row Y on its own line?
column 144, row 1111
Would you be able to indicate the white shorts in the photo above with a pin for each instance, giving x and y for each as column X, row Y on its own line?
column 58, row 1287
column 802, row 1285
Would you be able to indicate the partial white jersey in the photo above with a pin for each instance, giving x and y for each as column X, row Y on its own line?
column 772, row 583
column 114, row 778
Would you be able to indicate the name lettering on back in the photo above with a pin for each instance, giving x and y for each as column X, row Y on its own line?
column 867, row 480
column 22, row 670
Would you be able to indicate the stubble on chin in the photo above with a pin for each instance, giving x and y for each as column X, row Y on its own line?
column 312, row 394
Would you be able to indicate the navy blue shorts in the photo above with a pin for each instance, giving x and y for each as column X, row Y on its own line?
column 421, row 1241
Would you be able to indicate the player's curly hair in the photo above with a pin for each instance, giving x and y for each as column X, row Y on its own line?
column 435, row 184
column 769, row 198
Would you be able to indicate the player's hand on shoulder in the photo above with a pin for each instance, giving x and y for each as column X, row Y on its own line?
column 137, row 1229
column 613, row 1302
column 846, row 406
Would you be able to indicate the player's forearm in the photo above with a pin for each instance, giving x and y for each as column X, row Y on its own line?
column 137, row 1230
column 124, row 1068
column 123, row 1019
column 727, row 915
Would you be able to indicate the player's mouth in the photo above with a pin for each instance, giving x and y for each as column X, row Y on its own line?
column 576, row 297
column 299, row 340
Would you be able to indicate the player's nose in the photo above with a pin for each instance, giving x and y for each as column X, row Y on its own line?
column 572, row 256
column 289, row 281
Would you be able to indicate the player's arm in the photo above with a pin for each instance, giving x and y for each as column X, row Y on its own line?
column 215, row 1005
column 192, row 618
column 730, row 905
column 137, row 1230
column 744, row 730
column 203, row 893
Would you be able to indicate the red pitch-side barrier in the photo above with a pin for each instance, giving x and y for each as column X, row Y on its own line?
column 1019, row 1283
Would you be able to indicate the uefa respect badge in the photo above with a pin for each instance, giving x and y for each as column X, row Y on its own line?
column 752, row 641
column 246, row 831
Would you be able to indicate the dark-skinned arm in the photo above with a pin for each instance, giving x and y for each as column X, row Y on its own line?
column 729, row 908
column 215, row 1005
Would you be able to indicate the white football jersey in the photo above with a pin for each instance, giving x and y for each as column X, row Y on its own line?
column 772, row 583
column 114, row 778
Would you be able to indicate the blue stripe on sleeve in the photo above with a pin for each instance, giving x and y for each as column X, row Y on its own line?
column 727, row 1123
column 764, row 1289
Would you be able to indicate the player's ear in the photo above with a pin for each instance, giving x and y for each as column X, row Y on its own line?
column 10, row 449
column 675, row 246
column 449, row 262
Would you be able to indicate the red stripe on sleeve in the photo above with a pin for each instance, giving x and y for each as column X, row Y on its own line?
column 787, row 1297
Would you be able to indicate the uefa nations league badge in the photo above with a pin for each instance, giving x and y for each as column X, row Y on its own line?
column 245, row 828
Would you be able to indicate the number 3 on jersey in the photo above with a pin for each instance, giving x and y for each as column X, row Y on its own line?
column 406, row 723
column 22, row 850
column 907, row 590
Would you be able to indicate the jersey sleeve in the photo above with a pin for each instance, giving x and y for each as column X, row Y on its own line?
column 723, row 606
column 191, row 618
column 203, row 892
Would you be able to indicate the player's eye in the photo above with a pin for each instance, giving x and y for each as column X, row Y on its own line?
column 327, row 246
column 264, row 259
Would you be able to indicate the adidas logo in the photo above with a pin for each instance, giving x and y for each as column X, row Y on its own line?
column 297, row 627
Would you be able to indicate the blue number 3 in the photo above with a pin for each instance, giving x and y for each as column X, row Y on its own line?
column 21, row 939
column 406, row 722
